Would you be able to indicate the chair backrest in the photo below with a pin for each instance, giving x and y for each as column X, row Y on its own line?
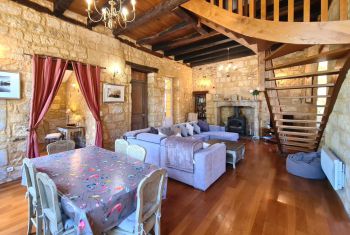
column 136, row 152
column 30, row 174
column 149, row 201
column 60, row 146
column 121, row 146
column 49, row 202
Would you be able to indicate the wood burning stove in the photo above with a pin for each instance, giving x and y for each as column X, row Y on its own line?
column 237, row 123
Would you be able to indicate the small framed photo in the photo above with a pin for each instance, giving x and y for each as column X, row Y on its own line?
column 113, row 93
column 10, row 85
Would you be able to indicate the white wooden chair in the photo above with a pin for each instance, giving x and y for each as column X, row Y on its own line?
column 148, row 212
column 60, row 146
column 34, row 205
column 53, row 223
column 121, row 146
column 51, row 137
column 136, row 152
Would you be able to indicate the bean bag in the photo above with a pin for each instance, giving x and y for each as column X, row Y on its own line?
column 306, row 165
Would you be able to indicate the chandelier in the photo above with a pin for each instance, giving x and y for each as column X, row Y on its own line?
column 113, row 16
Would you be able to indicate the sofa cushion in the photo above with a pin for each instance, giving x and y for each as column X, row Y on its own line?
column 220, row 135
column 153, row 138
column 203, row 125
column 165, row 131
column 189, row 128
column 176, row 130
column 184, row 131
column 196, row 128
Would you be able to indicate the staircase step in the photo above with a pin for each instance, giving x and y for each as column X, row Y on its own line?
column 301, row 97
column 301, row 87
column 286, row 49
column 304, row 75
column 298, row 133
column 298, row 105
column 307, row 145
column 297, row 121
column 283, row 138
column 297, row 113
column 298, row 127
column 329, row 55
column 297, row 149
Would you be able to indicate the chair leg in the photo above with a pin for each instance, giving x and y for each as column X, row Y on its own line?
column 157, row 226
column 30, row 214
column 39, row 222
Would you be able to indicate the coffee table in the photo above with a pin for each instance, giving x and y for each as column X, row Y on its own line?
column 234, row 151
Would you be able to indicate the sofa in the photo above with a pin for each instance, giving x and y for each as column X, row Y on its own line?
column 209, row 163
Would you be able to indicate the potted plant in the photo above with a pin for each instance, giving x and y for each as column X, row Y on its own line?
column 255, row 93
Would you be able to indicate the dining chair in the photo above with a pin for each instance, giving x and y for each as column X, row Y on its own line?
column 34, row 205
column 148, row 210
column 52, row 217
column 121, row 146
column 60, row 146
column 136, row 152
column 51, row 137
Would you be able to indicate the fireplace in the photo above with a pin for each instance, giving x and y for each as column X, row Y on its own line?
column 237, row 122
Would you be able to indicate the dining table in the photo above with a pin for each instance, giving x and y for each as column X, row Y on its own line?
column 97, row 187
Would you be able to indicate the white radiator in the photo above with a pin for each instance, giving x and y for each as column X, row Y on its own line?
column 333, row 167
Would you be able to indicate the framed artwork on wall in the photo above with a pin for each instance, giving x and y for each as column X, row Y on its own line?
column 113, row 93
column 10, row 85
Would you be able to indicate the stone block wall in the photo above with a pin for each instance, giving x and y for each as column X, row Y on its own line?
column 25, row 31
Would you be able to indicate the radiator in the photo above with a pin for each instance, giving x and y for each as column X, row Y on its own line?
column 333, row 167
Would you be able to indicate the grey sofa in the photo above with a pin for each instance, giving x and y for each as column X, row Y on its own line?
column 210, row 163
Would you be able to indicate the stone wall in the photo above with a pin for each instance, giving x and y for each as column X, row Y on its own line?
column 227, row 83
column 25, row 31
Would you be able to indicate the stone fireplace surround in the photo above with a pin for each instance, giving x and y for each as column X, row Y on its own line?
column 254, row 104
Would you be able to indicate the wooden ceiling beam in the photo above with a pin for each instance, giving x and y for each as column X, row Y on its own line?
column 183, row 41
column 221, row 58
column 182, row 14
column 202, row 45
column 60, row 6
column 158, row 10
column 161, row 36
column 229, row 55
column 208, row 50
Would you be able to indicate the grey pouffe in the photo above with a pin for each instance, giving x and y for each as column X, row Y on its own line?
column 306, row 165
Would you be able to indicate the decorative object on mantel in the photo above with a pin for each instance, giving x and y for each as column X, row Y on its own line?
column 113, row 93
column 200, row 103
column 10, row 85
column 255, row 93
column 113, row 15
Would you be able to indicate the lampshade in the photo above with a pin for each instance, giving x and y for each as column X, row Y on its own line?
column 68, row 111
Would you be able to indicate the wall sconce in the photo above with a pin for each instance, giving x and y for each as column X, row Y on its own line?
column 115, row 71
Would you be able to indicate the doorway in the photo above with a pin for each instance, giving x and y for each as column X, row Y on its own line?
column 139, row 99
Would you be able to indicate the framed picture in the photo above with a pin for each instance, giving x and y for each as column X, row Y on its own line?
column 309, row 91
column 113, row 93
column 10, row 85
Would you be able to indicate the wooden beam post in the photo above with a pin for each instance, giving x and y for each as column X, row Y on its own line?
column 60, row 6
column 263, row 9
column 290, row 10
column 306, row 10
column 343, row 8
column 276, row 10
column 324, row 10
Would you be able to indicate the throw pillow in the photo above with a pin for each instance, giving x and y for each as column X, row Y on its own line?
column 153, row 130
column 184, row 132
column 204, row 126
column 196, row 128
column 166, row 131
column 176, row 130
column 189, row 128
column 178, row 134
column 205, row 145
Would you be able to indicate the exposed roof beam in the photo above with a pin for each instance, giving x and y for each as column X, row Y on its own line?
column 183, row 41
column 158, row 10
column 202, row 45
column 163, row 35
column 227, row 51
column 221, row 58
column 181, row 13
column 208, row 50
column 60, row 6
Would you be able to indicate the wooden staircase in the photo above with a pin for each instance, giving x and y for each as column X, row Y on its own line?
column 299, row 125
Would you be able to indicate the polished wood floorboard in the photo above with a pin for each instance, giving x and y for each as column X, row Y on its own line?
column 259, row 197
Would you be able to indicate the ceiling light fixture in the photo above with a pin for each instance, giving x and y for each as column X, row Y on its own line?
column 114, row 16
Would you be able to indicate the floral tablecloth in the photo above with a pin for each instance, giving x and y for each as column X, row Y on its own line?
column 98, row 187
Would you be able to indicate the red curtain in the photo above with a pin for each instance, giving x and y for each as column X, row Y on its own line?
column 88, row 77
column 47, row 77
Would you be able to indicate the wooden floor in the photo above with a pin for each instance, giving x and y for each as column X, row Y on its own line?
column 260, row 197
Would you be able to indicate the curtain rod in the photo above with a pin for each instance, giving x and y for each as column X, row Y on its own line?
column 63, row 59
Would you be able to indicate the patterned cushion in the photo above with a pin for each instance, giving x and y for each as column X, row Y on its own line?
column 196, row 128
column 184, row 131
column 189, row 129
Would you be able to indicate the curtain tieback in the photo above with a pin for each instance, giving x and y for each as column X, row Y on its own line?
column 31, row 129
